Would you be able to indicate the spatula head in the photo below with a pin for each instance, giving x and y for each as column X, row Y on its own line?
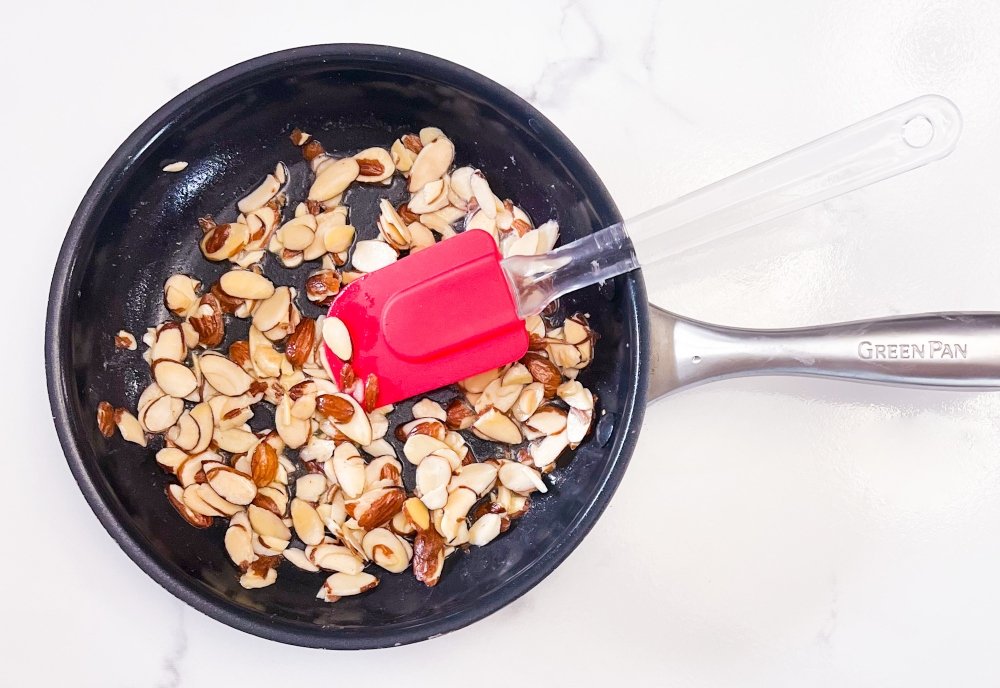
column 431, row 319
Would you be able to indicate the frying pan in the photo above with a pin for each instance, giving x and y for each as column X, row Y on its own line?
column 134, row 228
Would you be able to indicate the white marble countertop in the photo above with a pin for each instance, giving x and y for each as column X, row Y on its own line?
column 771, row 532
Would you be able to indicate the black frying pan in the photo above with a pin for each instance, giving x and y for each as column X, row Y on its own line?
column 137, row 225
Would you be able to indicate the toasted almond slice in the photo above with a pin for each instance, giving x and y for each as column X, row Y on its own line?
column 245, row 284
column 483, row 194
column 273, row 310
column 216, row 501
column 185, row 434
column 431, row 163
column 298, row 233
column 402, row 157
column 381, row 469
column 292, row 430
column 372, row 255
column 170, row 458
column 528, row 401
column 224, row 375
column 194, row 501
column 477, row 383
column 180, row 294
column 453, row 526
column 189, row 470
column 420, row 237
column 129, row 427
column 429, row 135
column 336, row 336
column 255, row 579
column 478, row 477
column 548, row 420
column 339, row 238
column 461, row 187
column 344, row 585
column 520, row 478
column 545, row 450
column 498, row 427
column 517, row 374
column 428, row 408
column 307, row 523
column 205, row 419
column 174, row 378
column 178, row 166
column 359, row 428
column 485, row 529
column 259, row 197
column 238, row 544
column 266, row 523
column 175, row 497
column 574, row 394
column 332, row 179
column 377, row 506
column 168, row 343
column 299, row 559
column 375, row 165
column 339, row 558
column 416, row 514
column 418, row 446
column 349, row 469
column 235, row 440
column 432, row 197
column 162, row 413
column 311, row 486
column 391, row 227
column 433, row 474
column 578, row 425
column 232, row 485
column 224, row 241
column 386, row 549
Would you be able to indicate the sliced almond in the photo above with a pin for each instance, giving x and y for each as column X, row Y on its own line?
column 344, row 585
column 266, row 523
column 333, row 179
column 336, row 336
column 259, row 197
column 273, row 310
column 418, row 446
column 162, row 413
column 478, row 477
column 374, row 165
column 298, row 559
column 545, row 450
column 224, row 375
column 372, row 255
column 386, row 549
column 349, row 469
column 174, row 378
column 129, row 427
column 520, row 478
column 428, row 408
column 245, row 284
column 498, row 427
column 485, row 529
column 232, row 485
column 433, row 474
column 307, row 523
column 359, row 428
column 431, row 163
column 238, row 544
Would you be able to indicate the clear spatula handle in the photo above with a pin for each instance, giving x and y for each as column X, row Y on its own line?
column 900, row 139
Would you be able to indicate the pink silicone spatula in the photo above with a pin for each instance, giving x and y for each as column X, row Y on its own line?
column 456, row 309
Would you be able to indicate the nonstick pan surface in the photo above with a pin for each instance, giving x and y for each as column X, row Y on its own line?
column 137, row 225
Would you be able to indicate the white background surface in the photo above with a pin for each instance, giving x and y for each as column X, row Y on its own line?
column 769, row 532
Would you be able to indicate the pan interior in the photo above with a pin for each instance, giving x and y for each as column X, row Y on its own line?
column 139, row 225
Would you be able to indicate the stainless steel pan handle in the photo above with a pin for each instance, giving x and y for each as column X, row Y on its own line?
column 948, row 350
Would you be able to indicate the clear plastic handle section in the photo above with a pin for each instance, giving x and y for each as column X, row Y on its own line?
column 895, row 141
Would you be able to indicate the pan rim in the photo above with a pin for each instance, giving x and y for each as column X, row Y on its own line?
column 57, row 356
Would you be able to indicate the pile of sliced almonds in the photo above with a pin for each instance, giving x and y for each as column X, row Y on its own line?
column 324, row 488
